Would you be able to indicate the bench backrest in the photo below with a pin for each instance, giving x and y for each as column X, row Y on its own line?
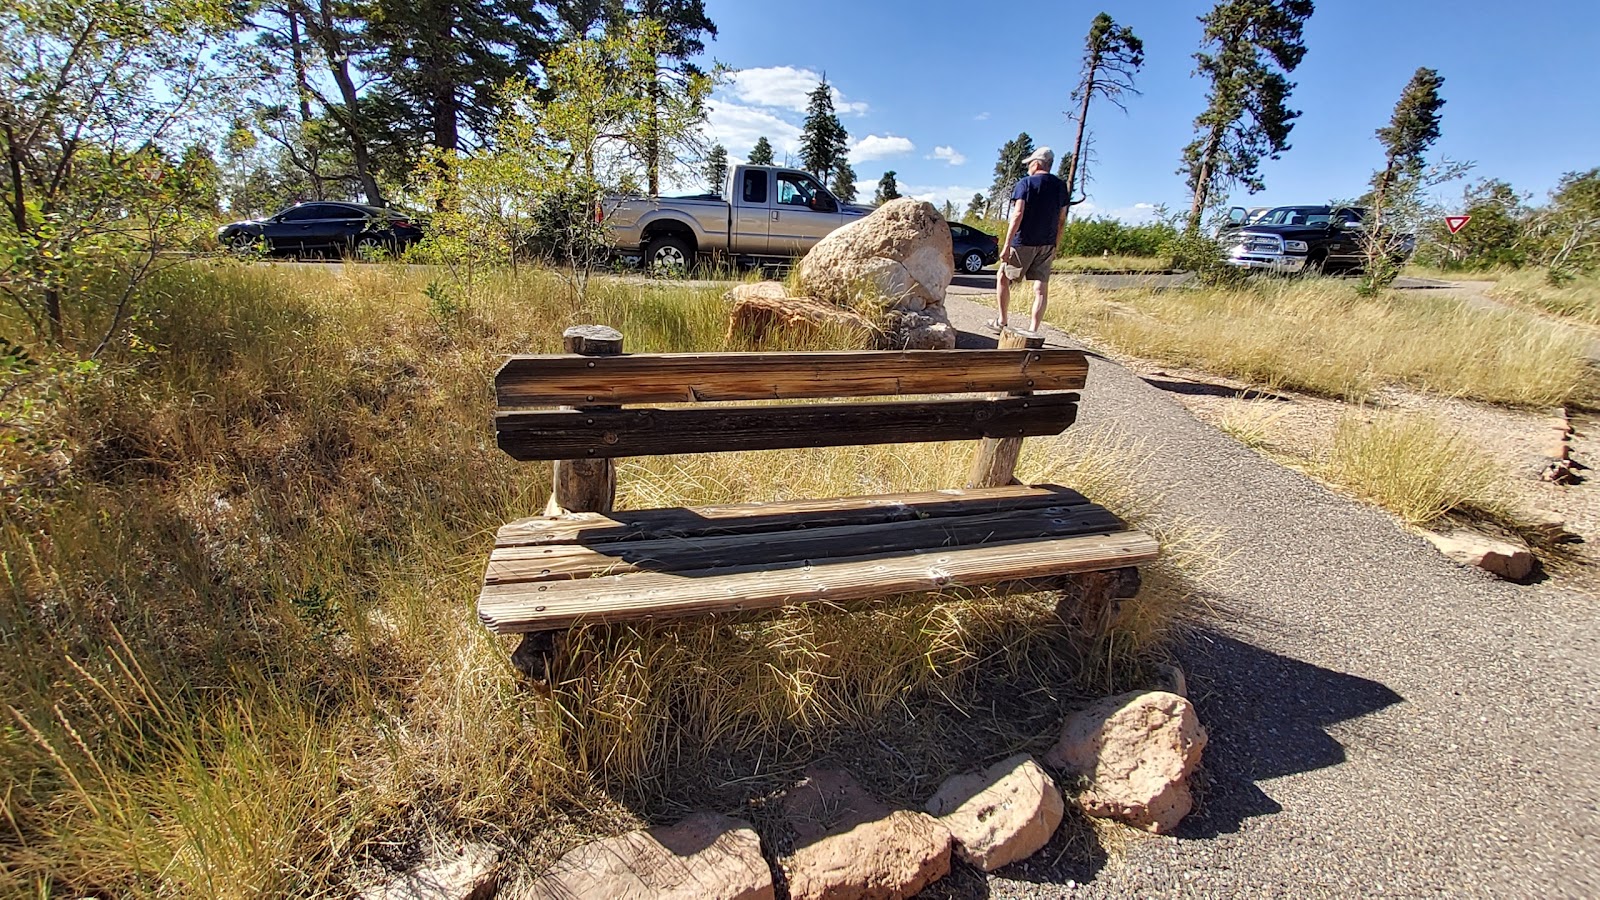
column 597, row 424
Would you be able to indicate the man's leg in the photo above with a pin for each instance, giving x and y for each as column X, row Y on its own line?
column 1041, row 296
column 1002, row 291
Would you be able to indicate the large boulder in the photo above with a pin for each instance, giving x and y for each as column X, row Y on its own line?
column 1138, row 750
column 703, row 857
column 761, row 308
column 1002, row 814
column 896, row 259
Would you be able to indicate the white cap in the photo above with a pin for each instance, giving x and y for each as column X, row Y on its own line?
column 1044, row 155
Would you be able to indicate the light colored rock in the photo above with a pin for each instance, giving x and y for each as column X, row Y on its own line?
column 465, row 872
column 1138, row 750
column 1546, row 527
column 899, row 255
column 1510, row 561
column 1002, row 814
column 929, row 329
column 884, row 859
column 703, row 857
column 759, row 309
column 828, row 801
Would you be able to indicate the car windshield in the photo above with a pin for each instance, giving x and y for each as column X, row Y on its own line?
column 1296, row 215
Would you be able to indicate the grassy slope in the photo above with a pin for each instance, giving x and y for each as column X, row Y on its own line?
column 238, row 646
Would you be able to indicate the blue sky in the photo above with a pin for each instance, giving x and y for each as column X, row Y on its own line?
column 932, row 89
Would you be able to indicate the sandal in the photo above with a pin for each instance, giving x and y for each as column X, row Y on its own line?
column 994, row 326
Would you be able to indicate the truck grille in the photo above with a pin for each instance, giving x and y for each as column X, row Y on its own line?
column 1262, row 244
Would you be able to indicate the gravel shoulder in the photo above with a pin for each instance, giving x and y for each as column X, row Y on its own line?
column 1383, row 721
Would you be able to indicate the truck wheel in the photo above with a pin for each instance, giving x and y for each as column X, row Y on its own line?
column 1315, row 266
column 669, row 256
column 972, row 263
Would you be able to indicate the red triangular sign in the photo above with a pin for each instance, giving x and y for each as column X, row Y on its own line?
column 1456, row 223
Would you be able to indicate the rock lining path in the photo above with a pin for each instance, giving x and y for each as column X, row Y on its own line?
column 1383, row 721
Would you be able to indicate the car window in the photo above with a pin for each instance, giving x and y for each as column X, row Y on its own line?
column 755, row 187
column 795, row 189
column 957, row 231
column 306, row 213
column 334, row 211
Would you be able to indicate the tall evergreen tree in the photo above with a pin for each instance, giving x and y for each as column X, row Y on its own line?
column 443, row 61
column 844, row 181
column 1253, row 45
column 1411, row 131
column 948, row 210
column 337, row 34
column 1112, row 55
column 761, row 153
column 1008, row 170
column 975, row 207
column 717, row 168
column 887, row 189
column 823, row 140
column 684, row 25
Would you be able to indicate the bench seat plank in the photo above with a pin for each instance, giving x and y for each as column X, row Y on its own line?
column 644, row 431
column 509, row 565
column 524, row 607
column 530, row 381
column 747, row 518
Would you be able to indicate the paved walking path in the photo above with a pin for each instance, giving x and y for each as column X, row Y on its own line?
column 1383, row 721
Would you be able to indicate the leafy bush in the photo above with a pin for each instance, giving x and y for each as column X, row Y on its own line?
column 1103, row 235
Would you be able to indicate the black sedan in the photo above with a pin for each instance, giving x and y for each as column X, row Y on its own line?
column 974, row 249
column 322, row 228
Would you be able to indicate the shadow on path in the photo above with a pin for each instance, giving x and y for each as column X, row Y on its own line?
column 1208, row 389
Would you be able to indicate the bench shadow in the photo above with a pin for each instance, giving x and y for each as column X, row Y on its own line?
column 1208, row 389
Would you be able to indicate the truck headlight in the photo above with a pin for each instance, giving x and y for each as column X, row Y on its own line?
column 1295, row 246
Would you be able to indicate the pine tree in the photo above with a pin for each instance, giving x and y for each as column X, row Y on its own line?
column 1254, row 45
column 717, row 168
column 1411, row 131
column 844, row 181
column 975, row 207
column 887, row 189
column 761, row 153
column 823, row 140
column 1112, row 55
column 1009, row 170
column 948, row 210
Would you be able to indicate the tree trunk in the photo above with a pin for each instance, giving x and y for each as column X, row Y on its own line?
column 1077, row 142
column 1202, row 181
column 326, row 35
column 302, row 84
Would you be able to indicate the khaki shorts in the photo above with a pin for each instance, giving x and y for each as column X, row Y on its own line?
column 1032, row 263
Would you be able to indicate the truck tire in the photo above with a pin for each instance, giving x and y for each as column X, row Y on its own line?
column 669, row 255
column 1316, row 265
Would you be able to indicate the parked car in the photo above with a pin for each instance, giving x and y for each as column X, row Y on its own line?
column 775, row 213
column 324, row 228
column 973, row 249
column 1301, row 239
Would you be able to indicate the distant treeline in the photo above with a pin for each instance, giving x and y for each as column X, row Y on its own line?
column 1103, row 236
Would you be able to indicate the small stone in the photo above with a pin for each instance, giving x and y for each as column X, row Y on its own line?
column 1170, row 678
column 1138, row 750
column 703, row 857
column 885, row 859
column 467, row 872
column 1002, row 814
column 1512, row 562
column 1546, row 527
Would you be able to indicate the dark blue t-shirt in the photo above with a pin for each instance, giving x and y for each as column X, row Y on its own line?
column 1043, row 196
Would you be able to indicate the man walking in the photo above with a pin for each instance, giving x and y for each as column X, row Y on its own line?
column 1038, row 213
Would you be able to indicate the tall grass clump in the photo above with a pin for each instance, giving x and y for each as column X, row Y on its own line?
column 1417, row 468
column 1577, row 299
column 237, row 639
column 1318, row 336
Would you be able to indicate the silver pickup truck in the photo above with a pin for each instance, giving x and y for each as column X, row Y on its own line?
column 774, row 213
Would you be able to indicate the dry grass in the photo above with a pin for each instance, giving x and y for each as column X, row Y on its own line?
column 1318, row 336
column 1067, row 264
column 1579, row 299
column 236, row 638
column 1420, row 469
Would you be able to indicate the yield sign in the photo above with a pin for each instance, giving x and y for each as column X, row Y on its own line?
column 1456, row 223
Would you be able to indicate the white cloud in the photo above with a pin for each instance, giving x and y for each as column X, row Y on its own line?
column 785, row 87
column 880, row 146
column 980, row 117
column 738, row 126
column 949, row 155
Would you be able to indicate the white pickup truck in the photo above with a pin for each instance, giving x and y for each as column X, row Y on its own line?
column 774, row 213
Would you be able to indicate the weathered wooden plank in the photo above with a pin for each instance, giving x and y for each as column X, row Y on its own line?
column 994, row 462
column 817, row 545
column 514, row 608
column 751, row 518
column 600, row 434
column 530, row 381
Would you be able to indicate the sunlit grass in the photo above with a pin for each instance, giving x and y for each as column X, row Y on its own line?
column 1578, row 299
column 1418, row 468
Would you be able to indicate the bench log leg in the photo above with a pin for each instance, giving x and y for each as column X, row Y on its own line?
column 995, row 462
column 1091, row 600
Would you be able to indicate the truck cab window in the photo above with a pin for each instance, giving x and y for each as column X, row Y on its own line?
column 755, row 187
column 795, row 189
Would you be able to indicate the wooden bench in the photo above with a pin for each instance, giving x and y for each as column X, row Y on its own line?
column 583, row 562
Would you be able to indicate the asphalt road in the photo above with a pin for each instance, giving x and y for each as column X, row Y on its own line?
column 1383, row 721
column 983, row 283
